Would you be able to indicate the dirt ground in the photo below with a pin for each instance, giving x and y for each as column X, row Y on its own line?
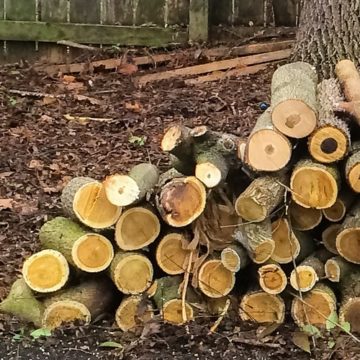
column 41, row 149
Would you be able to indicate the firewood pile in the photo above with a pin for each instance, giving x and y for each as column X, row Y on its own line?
column 272, row 220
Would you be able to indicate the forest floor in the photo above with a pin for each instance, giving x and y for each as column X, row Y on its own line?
column 43, row 144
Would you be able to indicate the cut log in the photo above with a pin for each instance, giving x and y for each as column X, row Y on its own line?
column 22, row 303
column 290, row 245
column 350, row 81
column 84, row 302
column 304, row 219
column 260, row 198
column 352, row 169
column 89, row 252
column 267, row 149
column 257, row 240
column 181, row 201
column 350, row 301
column 137, row 227
column 215, row 280
column 272, row 278
column 262, row 308
column 348, row 238
column 338, row 211
column 178, row 142
column 317, row 306
column 214, row 66
column 328, row 238
column 172, row 254
column 46, row 271
column 84, row 199
column 337, row 269
column 133, row 313
column 314, row 185
column 293, row 99
column 234, row 257
column 168, row 300
column 330, row 141
column 304, row 277
column 131, row 272
column 124, row 190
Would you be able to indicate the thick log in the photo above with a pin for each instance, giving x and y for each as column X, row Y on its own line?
column 89, row 252
column 131, row 272
column 261, row 307
column 46, row 271
column 317, row 306
column 304, row 219
column 178, row 142
column 84, row 302
column 328, row 237
column 293, row 99
column 267, row 149
column 337, row 212
column 337, row 269
column 172, row 254
column 22, row 303
column 350, row 81
column 314, row 185
column 168, row 300
column 124, row 190
column 234, row 257
column 272, row 278
column 347, row 240
column 352, row 169
column 215, row 280
column 350, row 301
column 133, row 313
column 181, row 201
column 257, row 240
column 304, row 277
column 290, row 245
column 260, row 198
column 136, row 228
column 84, row 199
column 330, row 141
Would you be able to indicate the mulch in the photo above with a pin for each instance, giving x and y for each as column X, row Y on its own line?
column 41, row 149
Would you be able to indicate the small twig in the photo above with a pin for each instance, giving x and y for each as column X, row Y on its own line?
column 35, row 94
column 77, row 45
column 221, row 317
column 256, row 343
column 186, row 284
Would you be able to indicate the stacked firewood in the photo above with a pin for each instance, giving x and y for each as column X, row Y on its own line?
column 273, row 219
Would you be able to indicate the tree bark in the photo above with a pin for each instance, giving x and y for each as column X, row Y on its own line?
column 329, row 31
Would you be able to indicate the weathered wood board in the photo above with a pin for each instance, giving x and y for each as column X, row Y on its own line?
column 118, row 12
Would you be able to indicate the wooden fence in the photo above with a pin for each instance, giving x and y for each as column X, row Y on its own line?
column 31, row 28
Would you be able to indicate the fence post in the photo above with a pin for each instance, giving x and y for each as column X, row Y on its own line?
column 199, row 20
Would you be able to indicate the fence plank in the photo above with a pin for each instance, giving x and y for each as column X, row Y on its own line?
column 85, row 11
column 53, row 11
column 150, row 14
column 87, row 33
column 118, row 12
column 1, row 9
column 199, row 20
column 178, row 12
column 220, row 12
column 249, row 10
column 285, row 12
column 20, row 10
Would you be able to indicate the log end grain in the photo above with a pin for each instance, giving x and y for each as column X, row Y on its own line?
column 328, row 237
column 303, row 278
column 304, row 219
column 348, row 244
column 121, row 190
column 272, row 279
column 350, row 312
column 46, row 271
column 172, row 312
column 136, row 228
column 332, row 270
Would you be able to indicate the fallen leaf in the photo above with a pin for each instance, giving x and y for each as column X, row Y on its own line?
column 68, row 79
column 48, row 100
column 26, row 208
column 331, row 321
column 301, row 340
column 135, row 107
column 264, row 331
column 75, row 86
column 40, row 332
column 111, row 344
column 150, row 328
column 127, row 69
column 6, row 204
column 54, row 167
column 91, row 100
column 36, row 164
column 6, row 174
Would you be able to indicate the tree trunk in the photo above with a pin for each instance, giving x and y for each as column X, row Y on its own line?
column 329, row 31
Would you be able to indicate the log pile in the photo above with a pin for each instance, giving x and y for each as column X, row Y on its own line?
column 277, row 213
